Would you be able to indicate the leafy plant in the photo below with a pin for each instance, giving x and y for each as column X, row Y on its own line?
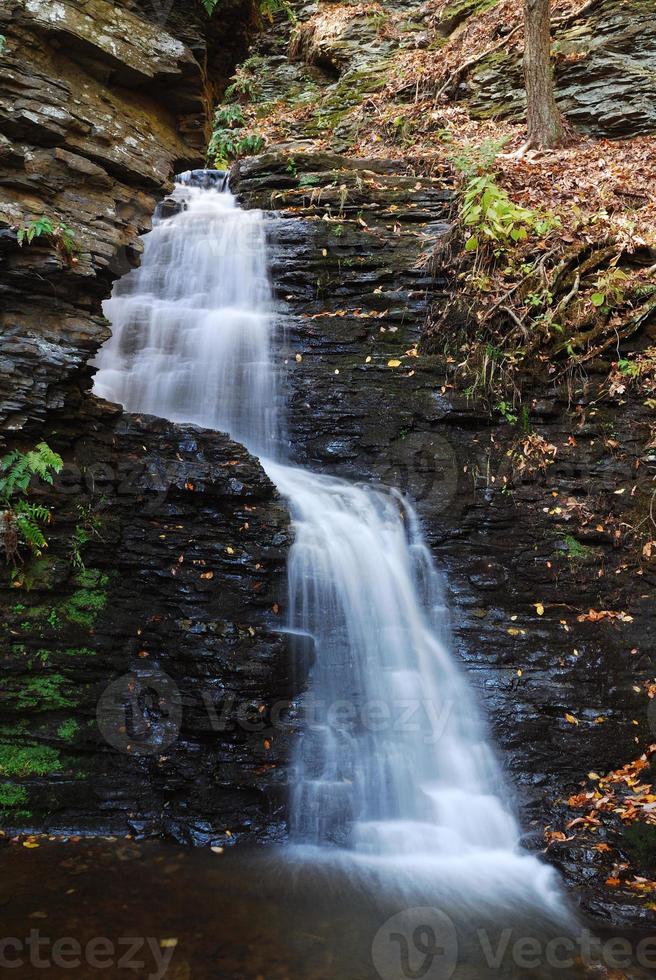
column 243, row 86
column 628, row 368
column 472, row 161
column 505, row 409
column 495, row 220
column 3, row 43
column 266, row 8
column 229, row 116
column 609, row 289
column 229, row 139
column 58, row 234
column 22, row 520
column 87, row 527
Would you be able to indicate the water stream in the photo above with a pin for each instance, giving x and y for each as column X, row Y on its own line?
column 394, row 784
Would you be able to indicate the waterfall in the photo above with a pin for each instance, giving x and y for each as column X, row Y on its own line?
column 393, row 765
column 191, row 326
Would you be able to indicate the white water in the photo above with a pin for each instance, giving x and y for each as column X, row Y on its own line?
column 394, row 765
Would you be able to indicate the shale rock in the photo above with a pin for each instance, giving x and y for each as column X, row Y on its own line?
column 142, row 657
column 605, row 73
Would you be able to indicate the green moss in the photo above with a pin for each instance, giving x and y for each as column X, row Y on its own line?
column 86, row 604
column 640, row 840
column 12, row 800
column 28, row 760
column 575, row 550
column 91, row 578
column 68, row 730
column 79, row 652
column 454, row 13
column 11, row 731
column 12, row 795
column 43, row 693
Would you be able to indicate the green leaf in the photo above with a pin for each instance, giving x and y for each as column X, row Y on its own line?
column 598, row 299
column 471, row 244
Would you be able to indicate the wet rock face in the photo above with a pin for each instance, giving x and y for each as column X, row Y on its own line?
column 162, row 590
column 605, row 73
column 139, row 672
column 100, row 104
column 525, row 552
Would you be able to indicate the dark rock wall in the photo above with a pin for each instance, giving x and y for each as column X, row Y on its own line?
column 159, row 597
column 134, row 686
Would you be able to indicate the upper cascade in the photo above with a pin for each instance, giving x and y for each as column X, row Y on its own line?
column 207, row 179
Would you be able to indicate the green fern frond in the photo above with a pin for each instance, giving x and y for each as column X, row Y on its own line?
column 21, row 517
column 31, row 534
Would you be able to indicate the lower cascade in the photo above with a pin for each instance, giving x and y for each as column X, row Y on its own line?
column 394, row 783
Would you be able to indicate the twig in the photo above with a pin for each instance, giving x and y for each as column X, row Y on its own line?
column 513, row 316
column 539, row 268
column 566, row 300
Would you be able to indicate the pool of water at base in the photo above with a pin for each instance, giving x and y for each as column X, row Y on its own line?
column 156, row 910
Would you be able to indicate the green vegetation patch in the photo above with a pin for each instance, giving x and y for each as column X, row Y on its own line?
column 87, row 602
column 46, row 693
column 640, row 840
column 12, row 795
column 68, row 730
column 28, row 760
column 454, row 13
column 575, row 550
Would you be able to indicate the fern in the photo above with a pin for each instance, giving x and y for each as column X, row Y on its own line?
column 21, row 519
column 58, row 234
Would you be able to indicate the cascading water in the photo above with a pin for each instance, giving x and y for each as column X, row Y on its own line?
column 191, row 326
column 393, row 766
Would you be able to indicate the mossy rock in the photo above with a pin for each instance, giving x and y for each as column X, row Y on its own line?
column 13, row 800
column 640, row 840
column 50, row 692
column 88, row 601
column 28, row 760
column 458, row 11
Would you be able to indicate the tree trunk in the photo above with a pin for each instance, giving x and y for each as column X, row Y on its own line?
column 545, row 124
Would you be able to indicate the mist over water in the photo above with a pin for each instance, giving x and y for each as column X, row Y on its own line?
column 395, row 787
